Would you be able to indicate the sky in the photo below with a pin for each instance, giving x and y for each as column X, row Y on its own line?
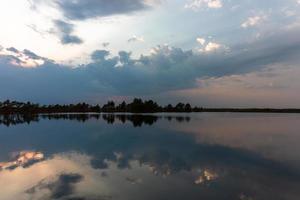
column 213, row 53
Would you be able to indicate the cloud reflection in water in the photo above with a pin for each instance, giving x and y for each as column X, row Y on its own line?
column 95, row 160
column 22, row 159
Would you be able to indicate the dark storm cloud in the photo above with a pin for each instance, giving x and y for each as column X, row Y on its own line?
column 86, row 9
column 166, row 69
column 64, row 31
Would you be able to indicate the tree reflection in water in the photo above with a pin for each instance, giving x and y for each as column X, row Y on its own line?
column 137, row 120
column 98, row 160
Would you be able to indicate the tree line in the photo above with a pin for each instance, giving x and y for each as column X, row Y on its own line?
column 136, row 106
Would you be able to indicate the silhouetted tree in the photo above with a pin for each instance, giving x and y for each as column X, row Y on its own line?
column 179, row 107
column 188, row 108
column 109, row 107
column 136, row 106
column 122, row 107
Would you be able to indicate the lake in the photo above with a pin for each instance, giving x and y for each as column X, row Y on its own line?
column 226, row 156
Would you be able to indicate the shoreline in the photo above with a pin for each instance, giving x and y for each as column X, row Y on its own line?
column 204, row 110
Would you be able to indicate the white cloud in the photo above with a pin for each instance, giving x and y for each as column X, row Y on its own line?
column 211, row 47
column 197, row 4
column 208, row 46
column 214, row 4
column 253, row 21
column 136, row 39
column 201, row 40
column 165, row 49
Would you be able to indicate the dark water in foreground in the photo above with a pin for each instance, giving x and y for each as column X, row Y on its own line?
column 196, row 156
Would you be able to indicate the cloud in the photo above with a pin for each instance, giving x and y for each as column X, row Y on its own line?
column 253, row 21
column 64, row 31
column 211, row 47
column 105, row 44
column 273, row 86
column 165, row 69
column 198, row 4
column 23, row 58
column 34, row 28
column 87, row 9
column 201, row 40
column 136, row 39
column 100, row 55
column 12, row 49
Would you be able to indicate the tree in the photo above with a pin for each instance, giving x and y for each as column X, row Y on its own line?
column 188, row 108
column 179, row 107
column 109, row 107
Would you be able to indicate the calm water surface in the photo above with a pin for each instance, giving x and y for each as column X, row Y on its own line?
column 152, row 157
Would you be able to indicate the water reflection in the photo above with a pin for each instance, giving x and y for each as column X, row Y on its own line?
column 206, row 177
column 23, row 159
column 10, row 120
column 95, row 160
column 62, row 186
column 137, row 120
